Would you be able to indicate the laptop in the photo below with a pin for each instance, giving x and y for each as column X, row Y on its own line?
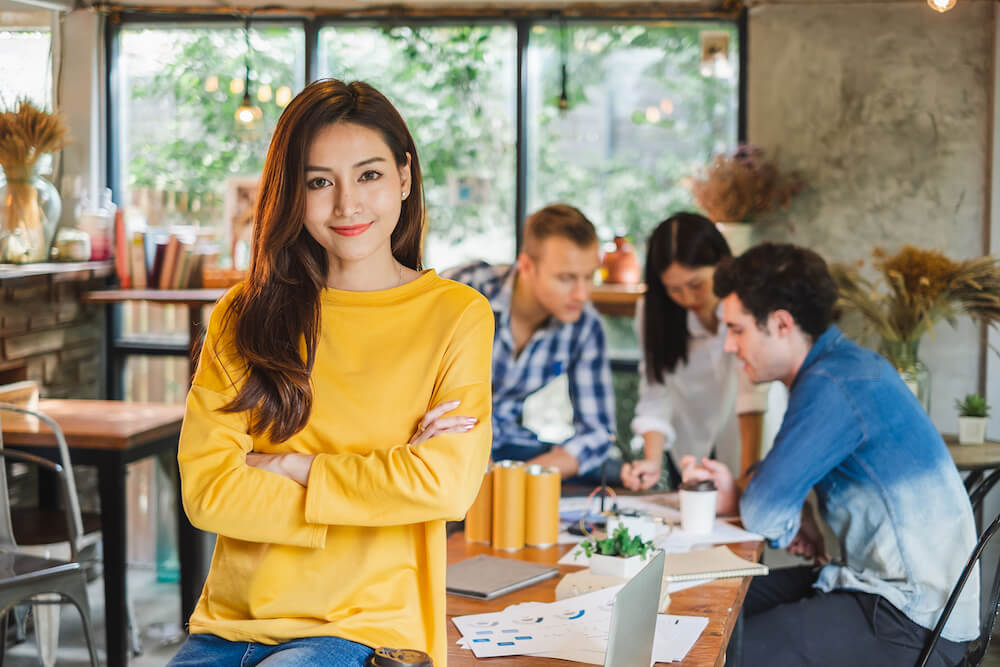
column 633, row 618
column 487, row 577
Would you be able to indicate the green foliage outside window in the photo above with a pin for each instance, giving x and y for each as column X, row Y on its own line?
column 455, row 86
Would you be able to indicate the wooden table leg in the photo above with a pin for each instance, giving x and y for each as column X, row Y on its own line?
column 111, row 485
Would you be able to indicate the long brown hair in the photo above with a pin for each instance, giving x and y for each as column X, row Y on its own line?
column 278, row 308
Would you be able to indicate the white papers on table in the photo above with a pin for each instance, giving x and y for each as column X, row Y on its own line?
column 581, row 622
column 678, row 540
column 571, row 629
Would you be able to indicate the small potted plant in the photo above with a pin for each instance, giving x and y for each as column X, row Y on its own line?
column 620, row 555
column 972, row 414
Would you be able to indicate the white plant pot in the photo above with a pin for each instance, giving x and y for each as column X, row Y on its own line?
column 739, row 235
column 971, row 430
column 616, row 566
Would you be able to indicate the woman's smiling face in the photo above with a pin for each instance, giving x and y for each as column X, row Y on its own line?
column 354, row 192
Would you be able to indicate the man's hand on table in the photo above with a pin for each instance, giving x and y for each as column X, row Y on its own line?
column 642, row 474
column 728, row 498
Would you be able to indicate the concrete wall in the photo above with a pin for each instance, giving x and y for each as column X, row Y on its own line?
column 885, row 108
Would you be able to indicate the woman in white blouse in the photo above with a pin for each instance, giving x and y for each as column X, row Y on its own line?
column 690, row 391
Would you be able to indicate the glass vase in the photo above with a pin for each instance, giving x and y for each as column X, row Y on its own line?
column 29, row 214
column 904, row 356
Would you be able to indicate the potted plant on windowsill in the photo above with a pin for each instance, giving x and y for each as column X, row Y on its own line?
column 620, row 555
column 972, row 414
column 737, row 187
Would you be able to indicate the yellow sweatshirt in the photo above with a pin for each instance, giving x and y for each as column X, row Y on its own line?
column 360, row 552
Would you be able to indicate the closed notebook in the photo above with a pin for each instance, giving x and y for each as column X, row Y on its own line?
column 487, row 577
column 717, row 563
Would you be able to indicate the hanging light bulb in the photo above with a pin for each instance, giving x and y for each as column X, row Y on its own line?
column 563, row 97
column 264, row 93
column 941, row 6
column 283, row 96
column 211, row 84
column 236, row 86
column 247, row 114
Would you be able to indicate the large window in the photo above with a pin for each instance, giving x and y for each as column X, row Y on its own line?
column 186, row 167
column 180, row 146
column 642, row 113
column 639, row 117
column 25, row 61
column 456, row 88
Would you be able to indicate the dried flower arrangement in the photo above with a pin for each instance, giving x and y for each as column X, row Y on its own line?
column 740, row 186
column 924, row 287
column 26, row 133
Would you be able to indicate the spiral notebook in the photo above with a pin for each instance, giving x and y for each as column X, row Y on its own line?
column 717, row 563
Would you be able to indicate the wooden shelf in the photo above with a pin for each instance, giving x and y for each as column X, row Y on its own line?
column 59, row 271
column 617, row 299
column 188, row 297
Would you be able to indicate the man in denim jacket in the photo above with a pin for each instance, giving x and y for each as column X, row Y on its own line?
column 883, row 478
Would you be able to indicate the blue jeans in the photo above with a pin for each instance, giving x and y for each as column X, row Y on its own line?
column 200, row 650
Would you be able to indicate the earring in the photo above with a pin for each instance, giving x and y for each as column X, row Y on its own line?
column 404, row 194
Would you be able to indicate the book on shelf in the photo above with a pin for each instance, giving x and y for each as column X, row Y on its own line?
column 156, row 268
column 137, row 263
column 169, row 265
column 182, row 267
column 123, row 251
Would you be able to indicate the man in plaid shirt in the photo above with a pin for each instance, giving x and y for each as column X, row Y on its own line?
column 545, row 327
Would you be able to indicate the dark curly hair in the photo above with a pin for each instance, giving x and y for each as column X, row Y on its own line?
column 780, row 276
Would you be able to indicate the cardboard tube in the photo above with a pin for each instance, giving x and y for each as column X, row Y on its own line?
column 541, row 505
column 508, row 505
column 479, row 518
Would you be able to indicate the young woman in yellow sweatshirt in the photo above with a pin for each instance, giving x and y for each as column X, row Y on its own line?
column 320, row 441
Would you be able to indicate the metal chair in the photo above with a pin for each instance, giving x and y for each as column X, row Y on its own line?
column 977, row 649
column 980, row 487
column 42, row 581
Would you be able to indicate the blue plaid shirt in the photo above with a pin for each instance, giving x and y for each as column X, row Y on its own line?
column 577, row 349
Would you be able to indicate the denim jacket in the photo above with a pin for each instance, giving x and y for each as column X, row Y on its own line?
column 885, row 483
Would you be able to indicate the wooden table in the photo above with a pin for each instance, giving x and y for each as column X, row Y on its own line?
column 720, row 601
column 110, row 435
column 973, row 457
column 194, row 299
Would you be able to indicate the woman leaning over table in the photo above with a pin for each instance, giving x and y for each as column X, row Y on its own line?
column 318, row 440
column 690, row 391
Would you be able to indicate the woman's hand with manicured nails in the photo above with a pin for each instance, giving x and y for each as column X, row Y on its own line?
column 435, row 423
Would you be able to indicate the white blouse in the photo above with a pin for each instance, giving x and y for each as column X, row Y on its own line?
column 696, row 406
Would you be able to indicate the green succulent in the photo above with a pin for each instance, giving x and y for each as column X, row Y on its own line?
column 973, row 405
column 619, row 544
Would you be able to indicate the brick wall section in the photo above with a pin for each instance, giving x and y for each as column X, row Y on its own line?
column 48, row 332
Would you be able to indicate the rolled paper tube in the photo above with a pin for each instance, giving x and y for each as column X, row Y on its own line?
column 541, row 505
column 479, row 519
column 508, row 505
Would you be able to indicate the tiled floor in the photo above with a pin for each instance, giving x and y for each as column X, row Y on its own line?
column 158, row 605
